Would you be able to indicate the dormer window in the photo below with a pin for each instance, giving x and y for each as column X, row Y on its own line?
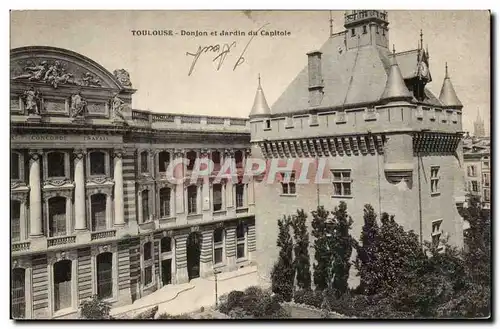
column 267, row 124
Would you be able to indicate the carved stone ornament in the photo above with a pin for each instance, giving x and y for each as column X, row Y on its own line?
column 20, row 196
column 78, row 105
column 32, row 101
column 98, row 180
column 56, row 181
column 79, row 153
column 34, row 154
column 55, row 73
column 118, row 153
column 117, row 106
column 123, row 77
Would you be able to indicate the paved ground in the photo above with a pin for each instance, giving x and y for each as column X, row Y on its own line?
column 189, row 297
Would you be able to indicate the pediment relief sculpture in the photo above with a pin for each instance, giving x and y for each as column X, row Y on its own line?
column 78, row 105
column 32, row 101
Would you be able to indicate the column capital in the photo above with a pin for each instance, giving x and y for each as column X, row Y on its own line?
column 248, row 152
column 35, row 154
column 229, row 153
column 204, row 152
column 179, row 153
column 79, row 153
column 118, row 153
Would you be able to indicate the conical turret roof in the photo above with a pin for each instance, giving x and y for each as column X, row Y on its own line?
column 448, row 96
column 395, row 87
column 260, row 106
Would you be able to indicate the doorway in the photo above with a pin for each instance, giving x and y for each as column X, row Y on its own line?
column 166, row 272
column 193, row 255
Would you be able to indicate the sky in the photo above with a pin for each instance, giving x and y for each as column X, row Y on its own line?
column 159, row 65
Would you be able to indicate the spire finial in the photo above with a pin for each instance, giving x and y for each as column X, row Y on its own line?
column 421, row 39
column 393, row 50
column 446, row 70
column 259, row 79
column 331, row 24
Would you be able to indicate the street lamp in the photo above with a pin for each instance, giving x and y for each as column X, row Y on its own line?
column 215, row 280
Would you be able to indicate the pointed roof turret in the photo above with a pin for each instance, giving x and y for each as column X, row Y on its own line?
column 395, row 88
column 448, row 96
column 260, row 107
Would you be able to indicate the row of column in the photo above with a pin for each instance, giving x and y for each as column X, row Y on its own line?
column 35, row 199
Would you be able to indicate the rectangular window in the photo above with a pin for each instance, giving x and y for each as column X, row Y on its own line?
column 97, row 163
column 486, row 195
column 217, row 202
column 241, row 235
column 192, row 199
column 164, row 160
column 364, row 29
column 165, row 202
column 486, row 165
column 239, row 195
column 353, row 32
column 436, row 233
column 486, row 179
column 288, row 182
column 145, row 205
column 342, row 183
column 218, row 245
column 14, row 166
column 474, row 185
column 15, row 216
column 471, row 171
column 144, row 162
column 434, row 179
column 148, row 275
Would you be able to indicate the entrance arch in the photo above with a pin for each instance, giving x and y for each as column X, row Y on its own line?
column 193, row 255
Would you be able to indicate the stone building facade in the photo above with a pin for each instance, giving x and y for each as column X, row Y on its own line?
column 92, row 210
column 388, row 140
column 477, row 168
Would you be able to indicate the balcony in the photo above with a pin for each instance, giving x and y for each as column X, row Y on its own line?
column 102, row 235
column 20, row 246
column 61, row 240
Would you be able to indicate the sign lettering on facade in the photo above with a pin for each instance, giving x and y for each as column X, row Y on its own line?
column 65, row 138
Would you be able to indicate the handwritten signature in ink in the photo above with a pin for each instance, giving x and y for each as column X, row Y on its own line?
column 221, row 51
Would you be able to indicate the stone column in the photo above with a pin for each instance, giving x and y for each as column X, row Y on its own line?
column 109, row 217
column 181, row 275
column 139, row 206
column 179, row 189
column 118, row 178
column 69, row 229
column 231, row 248
column 80, row 218
column 35, row 195
column 251, row 193
column 206, row 257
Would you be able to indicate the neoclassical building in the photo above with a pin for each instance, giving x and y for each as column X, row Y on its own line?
column 92, row 210
column 388, row 140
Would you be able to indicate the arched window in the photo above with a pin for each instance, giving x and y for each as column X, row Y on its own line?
column 191, row 156
column 15, row 220
column 165, row 202
column 219, row 245
column 57, row 216
column 15, row 166
column 98, row 212
column 144, row 161
column 18, row 293
column 163, row 161
column 105, row 275
column 97, row 163
column 62, row 285
column 192, row 199
column 145, row 205
column 241, row 237
column 56, row 164
column 166, row 244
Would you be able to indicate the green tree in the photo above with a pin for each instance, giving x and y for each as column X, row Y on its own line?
column 283, row 273
column 341, row 245
column 367, row 252
column 301, row 248
column 322, row 253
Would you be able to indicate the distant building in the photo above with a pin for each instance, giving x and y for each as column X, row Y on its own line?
column 92, row 211
column 477, row 160
column 479, row 127
column 389, row 141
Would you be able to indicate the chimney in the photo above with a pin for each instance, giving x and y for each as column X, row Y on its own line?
column 315, row 78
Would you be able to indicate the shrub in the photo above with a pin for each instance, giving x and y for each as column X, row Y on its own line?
column 95, row 309
column 308, row 297
column 166, row 316
column 148, row 314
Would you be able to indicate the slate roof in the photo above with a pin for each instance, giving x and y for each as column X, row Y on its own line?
column 260, row 107
column 350, row 77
